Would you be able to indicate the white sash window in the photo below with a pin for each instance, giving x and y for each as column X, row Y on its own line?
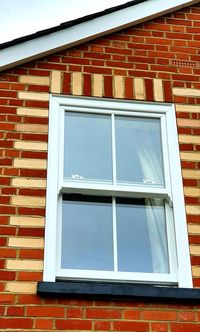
column 115, row 208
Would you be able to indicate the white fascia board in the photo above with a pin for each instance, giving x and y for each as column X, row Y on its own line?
column 88, row 30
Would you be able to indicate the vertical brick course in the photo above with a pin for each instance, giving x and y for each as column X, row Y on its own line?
column 157, row 61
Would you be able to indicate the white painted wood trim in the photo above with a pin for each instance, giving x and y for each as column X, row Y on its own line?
column 158, row 278
column 86, row 31
column 52, row 196
column 181, row 233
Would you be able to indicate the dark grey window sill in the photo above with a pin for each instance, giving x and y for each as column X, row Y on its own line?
column 118, row 290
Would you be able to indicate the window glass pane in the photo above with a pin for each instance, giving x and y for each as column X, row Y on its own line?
column 88, row 154
column 87, row 241
column 141, row 236
column 139, row 151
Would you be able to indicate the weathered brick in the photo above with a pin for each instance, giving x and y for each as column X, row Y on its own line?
column 28, row 79
column 25, row 242
column 139, row 88
column 55, row 81
column 30, row 163
column 23, row 264
column 77, row 85
column 21, row 287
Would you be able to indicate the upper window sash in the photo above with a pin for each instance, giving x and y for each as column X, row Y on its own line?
column 66, row 185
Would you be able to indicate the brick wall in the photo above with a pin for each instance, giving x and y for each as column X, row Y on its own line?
column 156, row 61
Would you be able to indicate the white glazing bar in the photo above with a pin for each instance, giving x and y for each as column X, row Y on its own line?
column 113, row 149
column 114, row 234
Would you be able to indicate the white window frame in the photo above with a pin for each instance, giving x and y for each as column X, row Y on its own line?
column 178, row 247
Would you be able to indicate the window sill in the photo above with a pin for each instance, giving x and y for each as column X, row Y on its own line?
column 117, row 290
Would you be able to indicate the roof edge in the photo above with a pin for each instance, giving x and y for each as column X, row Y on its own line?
column 69, row 24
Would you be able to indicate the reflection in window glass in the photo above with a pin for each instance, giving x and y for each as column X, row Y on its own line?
column 88, row 154
column 139, row 150
column 87, row 241
column 141, row 236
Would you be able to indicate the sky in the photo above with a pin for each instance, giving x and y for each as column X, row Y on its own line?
column 23, row 17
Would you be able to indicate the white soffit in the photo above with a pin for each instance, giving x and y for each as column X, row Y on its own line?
column 88, row 30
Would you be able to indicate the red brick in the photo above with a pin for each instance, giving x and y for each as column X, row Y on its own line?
column 128, row 88
column 187, row 316
column 54, row 66
column 4, row 181
column 38, row 88
column 74, row 312
column 15, row 311
column 188, row 164
column 4, row 220
column 33, row 232
column 159, row 327
column 130, row 326
column 7, row 230
column 8, row 191
column 103, row 313
column 73, row 324
column 190, row 182
column 6, row 162
column 35, row 120
column 33, row 173
column 37, row 72
column 4, row 85
column 7, row 298
column 7, row 210
column 149, row 89
column 30, row 253
column 45, row 311
column 4, row 200
column 8, row 253
column 34, row 155
column 2, row 264
column 175, row 327
column 17, row 87
column 193, row 218
column 76, row 61
column 29, row 276
column 102, row 325
column 31, row 211
column 16, row 323
column 11, row 153
column 29, row 299
column 44, row 324
column 9, row 94
column 66, row 83
column 2, row 241
column 132, row 314
column 108, row 86
column 194, row 239
column 97, row 70
column 159, row 315
column 7, row 275
column 15, row 102
column 7, row 110
column 32, row 192
column 35, row 137
column 87, row 85
column 39, row 104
